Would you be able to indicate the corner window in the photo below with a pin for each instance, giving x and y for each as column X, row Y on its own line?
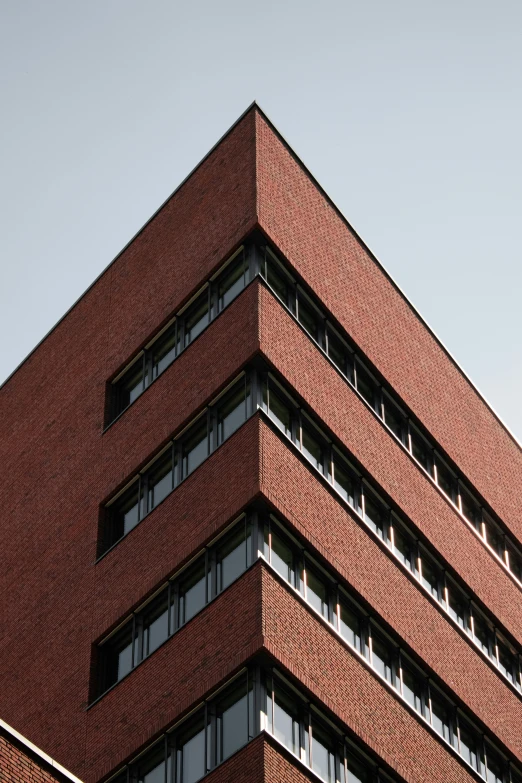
column 233, row 409
column 232, row 281
column 277, row 408
column 234, row 555
column 279, row 554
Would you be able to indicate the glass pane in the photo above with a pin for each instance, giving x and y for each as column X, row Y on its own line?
column 232, row 281
column 323, row 755
column 468, row 742
column 366, row 386
column 343, row 480
column 317, row 593
column 164, row 350
column 338, row 352
column 124, row 513
column 431, row 577
column 470, row 508
column 117, row 656
column 382, row 656
column 151, row 768
column 515, row 562
column 394, row 419
column 357, row 772
column 279, row 412
column 440, row 714
column 494, row 536
column 232, row 721
column 495, row 765
column 281, row 557
column 458, row 605
column 191, row 753
column 234, row 556
column 422, row 451
column 160, row 479
column 375, row 513
column 507, row 659
column 350, row 625
column 196, row 317
column 195, row 446
column 445, row 479
column 311, row 447
column 482, row 632
column 404, row 546
column 155, row 624
column 232, row 410
column 412, row 687
column 307, row 316
column 130, row 385
column 286, row 720
column 192, row 594
column 277, row 280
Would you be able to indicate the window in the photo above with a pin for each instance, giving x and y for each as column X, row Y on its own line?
column 394, row 418
column 322, row 752
column 458, row 605
column 279, row 554
column 494, row 536
column 117, row 656
column 308, row 316
column 151, row 768
column 316, row 593
column 155, row 624
column 160, row 480
column 376, row 514
column 283, row 718
column 446, row 479
column 233, row 409
column 367, row 386
column 195, row 446
column 357, row 772
column 233, row 280
column 404, row 546
column 312, row 444
column 441, row 712
column 495, row 765
column 124, row 513
column 234, row 720
column 196, row 317
column 507, row 660
column 421, row 450
column 431, row 575
column 277, row 408
column 279, row 281
column 382, row 656
column 234, row 555
column 192, row 591
column 350, row 625
column 344, row 480
column 413, row 687
column 129, row 386
column 339, row 353
column 165, row 350
column 470, row 508
column 482, row 632
column 467, row 742
column 190, row 757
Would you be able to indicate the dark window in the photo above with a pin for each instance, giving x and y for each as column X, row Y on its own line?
column 458, row 605
column 323, row 753
column 277, row 409
column 191, row 752
column 311, row 445
column 468, row 742
column 160, row 479
column 404, row 546
column 278, row 280
column 413, row 687
column 192, row 591
column 357, row 772
column 339, row 353
column 375, row 513
column 232, row 409
column 446, row 480
column 494, row 536
column 164, row 350
column 234, row 555
column 507, row 660
column 279, row 555
column 124, row 513
column 196, row 317
column 344, row 481
column 284, row 723
column 431, row 574
column 233, row 717
column 394, row 418
column 155, row 624
column 421, row 450
column 482, row 632
column 495, row 765
column 116, row 655
column 350, row 625
column 195, row 447
column 308, row 316
column 129, row 386
column 151, row 767
column 441, row 712
column 470, row 508
column 515, row 562
column 366, row 386
column 317, row 592
column 232, row 281
column 382, row 657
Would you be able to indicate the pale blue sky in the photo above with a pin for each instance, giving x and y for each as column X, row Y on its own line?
column 408, row 113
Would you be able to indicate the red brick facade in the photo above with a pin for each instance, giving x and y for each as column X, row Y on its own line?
column 60, row 466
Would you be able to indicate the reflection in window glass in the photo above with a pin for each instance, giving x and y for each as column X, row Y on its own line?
column 412, row 687
column 232, row 722
column 160, row 479
column 394, row 419
column 421, row 450
column 307, row 316
column 278, row 410
column 155, row 624
column 458, row 605
column 375, row 513
column 124, row 512
column 357, row 772
column 279, row 555
column 446, row 479
column 343, row 480
column 191, row 753
column 382, row 657
column 440, row 714
column 151, row 769
column 192, row 592
column 277, row 280
column 285, row 725
column 316, row 593
column 366, row 386
column 338, row 353
column 164, row 350
column 323, row 753
column 470, row 508
column 117, row 654
column 311, row 446
column 130, row 385
column 468, row 742
column 234, row 556
column 232, row 410
column 404, row 546
column 232, row 281
column 431, row 576
column 495, row 765
column 196, row 317
column 195, row 446
column 350, row 625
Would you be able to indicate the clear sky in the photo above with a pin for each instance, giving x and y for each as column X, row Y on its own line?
column 409, row 114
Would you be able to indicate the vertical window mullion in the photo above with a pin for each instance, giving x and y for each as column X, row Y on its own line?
column 134, row 656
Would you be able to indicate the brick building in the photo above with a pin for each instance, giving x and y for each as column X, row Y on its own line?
column 258, row 525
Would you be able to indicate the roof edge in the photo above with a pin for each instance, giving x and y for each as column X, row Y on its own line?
column 35, row 751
